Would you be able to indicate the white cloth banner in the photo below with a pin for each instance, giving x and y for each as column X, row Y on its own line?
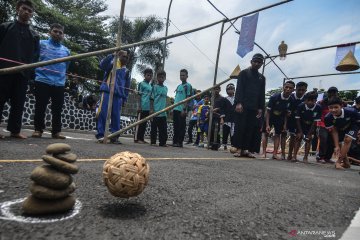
column 247, row 34
column 341, row 52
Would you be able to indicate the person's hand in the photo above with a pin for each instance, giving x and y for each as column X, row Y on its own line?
column 337, row 151
column 259, row 114
column 299, row 136
column 268, row 128
column 221, row 121
column 239, row 108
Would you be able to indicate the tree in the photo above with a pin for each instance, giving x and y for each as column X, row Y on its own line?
column 348, row 95
column 7, row 10
column 273, row 91
column 141, row 29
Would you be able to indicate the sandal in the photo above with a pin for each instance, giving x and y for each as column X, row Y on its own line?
column 2, row 136
column 238, row 154
column 18, row 135
column 248, row 155
column 36, row 134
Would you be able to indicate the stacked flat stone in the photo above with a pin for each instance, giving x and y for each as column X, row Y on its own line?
column 52, row 182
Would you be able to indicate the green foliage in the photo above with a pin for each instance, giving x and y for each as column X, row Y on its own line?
column 273, row 91
column 7, row 10
column 141, row 29
column 348, row 95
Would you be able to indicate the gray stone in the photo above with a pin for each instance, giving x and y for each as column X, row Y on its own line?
column 49, row 177
column 57, row 148
column 60, row 164
column 43, row 192
column 68, row 157
column 36, row 206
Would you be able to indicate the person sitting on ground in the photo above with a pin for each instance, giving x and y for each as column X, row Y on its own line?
column 344, row 126
column 158, row 103
column 89, row 103
column 203, row 119
column 308, row 114
column 354, row 151
column 276, row 116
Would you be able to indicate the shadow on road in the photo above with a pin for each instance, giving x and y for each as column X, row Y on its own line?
column 121, row 210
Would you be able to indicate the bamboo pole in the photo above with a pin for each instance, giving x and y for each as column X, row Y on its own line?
column 114, row 49
column 315, row 49
column 323, row 75
column 114, row 69
column 233, row 75
column 213, row 92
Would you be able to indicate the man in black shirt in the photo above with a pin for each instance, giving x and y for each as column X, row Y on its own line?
column 249, row 104
column 19, row 43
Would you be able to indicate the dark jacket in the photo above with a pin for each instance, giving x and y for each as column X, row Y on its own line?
column 250, row 90
column 20, row 43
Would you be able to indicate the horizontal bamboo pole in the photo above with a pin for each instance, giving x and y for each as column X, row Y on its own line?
column 115, row 134
column 322, row 75
column 114, row 49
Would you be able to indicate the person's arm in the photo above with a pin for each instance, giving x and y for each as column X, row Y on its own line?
column 267, row 119
column 335, row 136
column 299, row 134
column 106, row 63
column 239, row 93
column 261, row 98
column 139, row 93
column 127, row 85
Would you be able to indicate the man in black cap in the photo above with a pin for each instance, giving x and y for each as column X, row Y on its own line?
column 249, row 102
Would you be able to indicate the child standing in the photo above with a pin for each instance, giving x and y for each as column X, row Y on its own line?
column 228, row 127
column 203, row 120
column 144, row 91
column 344, row 126
column 308, row 114
column 295, row 100
column 276, row 116
column 158, row 123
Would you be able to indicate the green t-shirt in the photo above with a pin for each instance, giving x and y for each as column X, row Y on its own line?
column 159, row 94
column 182, row 91
column 144, row 89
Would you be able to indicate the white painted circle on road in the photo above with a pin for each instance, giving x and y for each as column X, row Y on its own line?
column 7, row 214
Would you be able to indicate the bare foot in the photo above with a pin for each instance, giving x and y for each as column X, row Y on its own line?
column 338, row 165
column 18, row 135
column 305, row 160
column 275, row 157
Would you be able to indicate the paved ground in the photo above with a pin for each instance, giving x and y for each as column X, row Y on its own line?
column 192, row 194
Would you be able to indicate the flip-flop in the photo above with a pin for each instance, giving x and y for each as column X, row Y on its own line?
column 18, row 135
column 248, row 155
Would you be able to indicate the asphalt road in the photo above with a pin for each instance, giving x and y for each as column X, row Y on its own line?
column 192, row 194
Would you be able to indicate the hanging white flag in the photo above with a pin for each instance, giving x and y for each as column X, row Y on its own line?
column 341, row 52
column 247, row 34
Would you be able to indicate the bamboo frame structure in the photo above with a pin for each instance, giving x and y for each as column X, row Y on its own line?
column 114, row 49
column 233, row 75
column 114, row 69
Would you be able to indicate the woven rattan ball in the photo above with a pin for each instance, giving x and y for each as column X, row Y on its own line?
column 126, row 174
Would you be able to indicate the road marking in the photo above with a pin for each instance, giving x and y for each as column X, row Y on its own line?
column 353, row 231
column 104, row 159
column 6, row 213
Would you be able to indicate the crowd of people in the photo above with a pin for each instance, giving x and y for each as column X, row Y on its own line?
column 241, row 116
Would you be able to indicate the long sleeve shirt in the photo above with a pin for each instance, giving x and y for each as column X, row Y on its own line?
column 250, row 90
column 20, row 43
column 55, row 74
column 122, row 82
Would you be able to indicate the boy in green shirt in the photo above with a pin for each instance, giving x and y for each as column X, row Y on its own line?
column 158, row 103
column 144, row 91
column 183, row 91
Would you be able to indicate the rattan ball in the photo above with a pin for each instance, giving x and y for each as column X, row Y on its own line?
column 126, row 174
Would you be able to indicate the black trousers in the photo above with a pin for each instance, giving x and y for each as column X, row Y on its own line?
column 13, row 87
column 215, row 125
column 246, row 124
column 159, row 124
column 179, row 127
column 142, row 127
column 192, row 124
column 326, row 146
column 43, row 93
column 226, row 134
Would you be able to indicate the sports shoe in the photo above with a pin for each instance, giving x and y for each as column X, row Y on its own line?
column 58, row 136
column 36, row 134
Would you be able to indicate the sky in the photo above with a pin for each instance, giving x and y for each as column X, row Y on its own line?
column 302, row 24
